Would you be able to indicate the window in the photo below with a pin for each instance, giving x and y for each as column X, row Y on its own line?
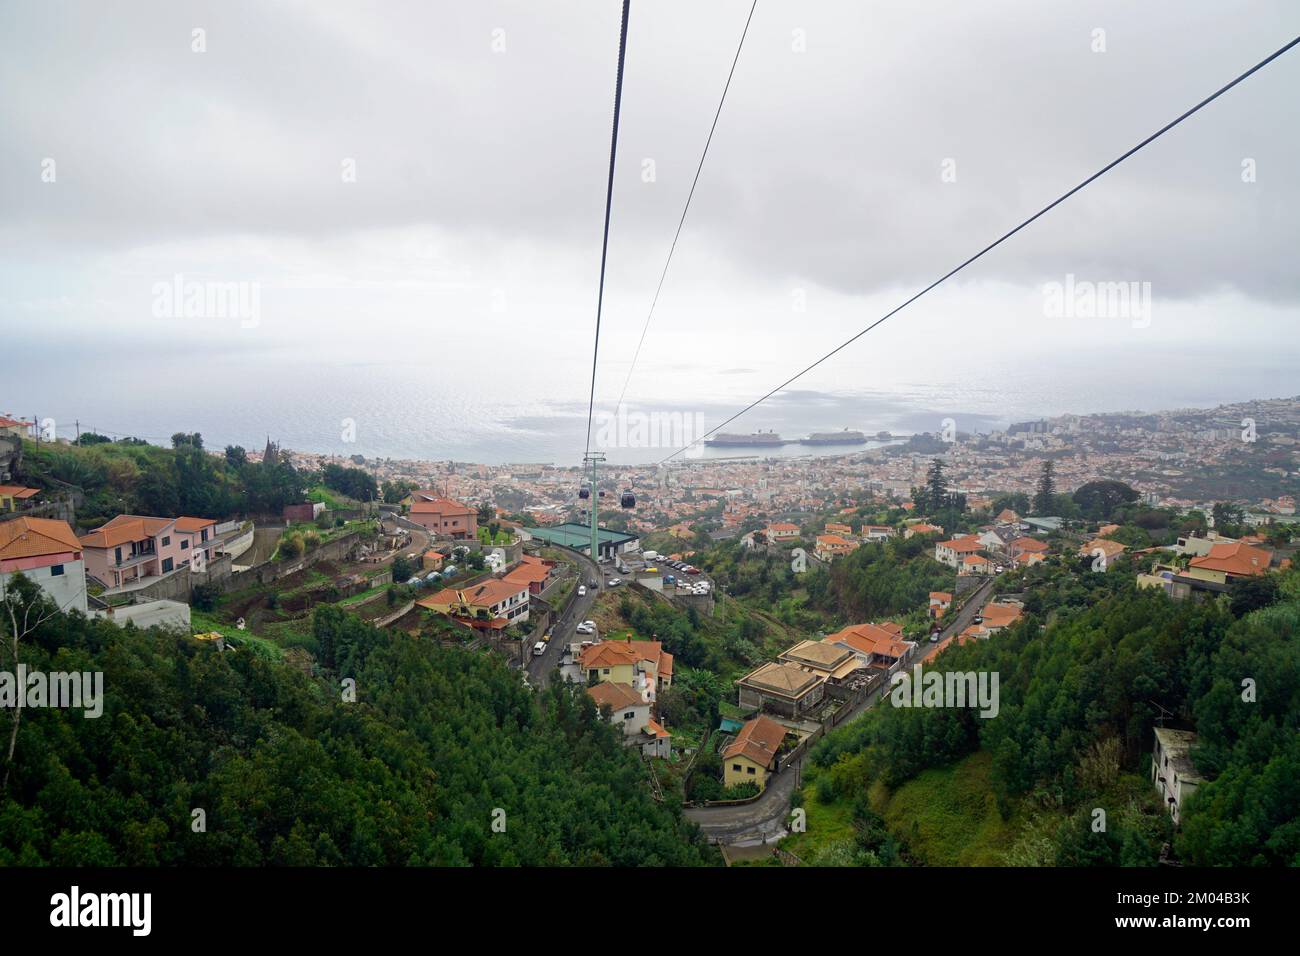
column 56, row 570
column 185, row 544
column 629, row 715
column 750, row 771
column 166, row 565
column 167, row 540
column 736, row 767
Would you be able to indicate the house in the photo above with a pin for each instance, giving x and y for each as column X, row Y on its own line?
column 644, row 665
column 14, row 427
column 1172, row 771
column 940, row 601
column 877, row 532
column 1026, row 546
column 48, row 554
column 782, row 688
column 921, row 527
column 999, row 538
column 613, row 661
column 976, row 564
column 532, row 572
column 833, row 662
column 752, row 756
column 1007, row 516
column 1225, row 562
column 834, row 527
column 432, row 560
column 998, row 617
column 878, row 646
column 952, row 552
column 831, row 546
column 1102, row 549
column 444, row 517
column 493, row 604
column 782, row 531
column 130, row 548
column 626, row 707
column 11, row 496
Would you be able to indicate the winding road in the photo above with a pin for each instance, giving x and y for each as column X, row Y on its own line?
column 764, row 820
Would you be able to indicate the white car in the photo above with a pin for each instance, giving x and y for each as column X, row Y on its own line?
column 585, row 629
column 582, row 590
column 615, row 582
column 590, row 624
column 539, row 649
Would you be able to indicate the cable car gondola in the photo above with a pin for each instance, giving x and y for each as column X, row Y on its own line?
column 584, row 493
column 628, row 500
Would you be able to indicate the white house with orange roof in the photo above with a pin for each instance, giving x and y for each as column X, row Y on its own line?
column 952, row 552
column 47, row 553
column 940, row 601
column 781, row 531
column 828, row 547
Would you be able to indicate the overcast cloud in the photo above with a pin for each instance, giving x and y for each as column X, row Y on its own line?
column 476, row 212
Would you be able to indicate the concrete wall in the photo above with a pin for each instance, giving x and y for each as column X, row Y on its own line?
column 150, row 614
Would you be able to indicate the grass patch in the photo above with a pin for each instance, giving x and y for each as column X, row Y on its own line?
column 948, row 816
column 205, row 623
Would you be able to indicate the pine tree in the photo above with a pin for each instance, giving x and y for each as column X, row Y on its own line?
column 1046, row 489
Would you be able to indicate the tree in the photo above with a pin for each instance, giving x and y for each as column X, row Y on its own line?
column 1227, row 516
column 936, row 486
column 1251, row 594
column 23, row 609
column 192, row 439
column 403, row 569
column 1046, row 494
column 1099, row 499
column 236, row 457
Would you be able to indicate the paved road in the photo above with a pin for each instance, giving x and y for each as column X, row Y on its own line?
column 562, row 632
column 764, row 820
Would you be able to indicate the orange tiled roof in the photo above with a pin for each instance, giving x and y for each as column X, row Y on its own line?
column 186, row 523
column 759, row 740
column 125, row 528
column 1239, row 559
column 36, row 537
column 615, row 696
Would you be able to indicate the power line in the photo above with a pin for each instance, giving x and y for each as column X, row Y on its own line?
column 948, row 275
column 609, row 200
column 681, row 222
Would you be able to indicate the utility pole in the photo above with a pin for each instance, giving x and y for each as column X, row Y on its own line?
column 593, row 458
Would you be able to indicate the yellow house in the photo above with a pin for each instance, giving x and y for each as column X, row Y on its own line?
column 613, row 661
column 751, row 757
column 12, row 495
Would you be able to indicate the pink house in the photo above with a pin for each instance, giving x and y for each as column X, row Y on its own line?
column 131, row 547
column 445, row 517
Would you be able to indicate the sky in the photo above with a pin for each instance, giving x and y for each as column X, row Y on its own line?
column 416, row 193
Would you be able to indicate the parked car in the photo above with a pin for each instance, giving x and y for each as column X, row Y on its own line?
column 582, row 590
column 615, row 582
column 539, row 649
column 977, row 619
column 669, row 579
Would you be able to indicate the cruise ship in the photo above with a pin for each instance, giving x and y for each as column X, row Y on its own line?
column 756, row 440
column 846, row 437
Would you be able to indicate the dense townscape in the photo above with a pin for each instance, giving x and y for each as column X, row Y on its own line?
column 747, row 649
